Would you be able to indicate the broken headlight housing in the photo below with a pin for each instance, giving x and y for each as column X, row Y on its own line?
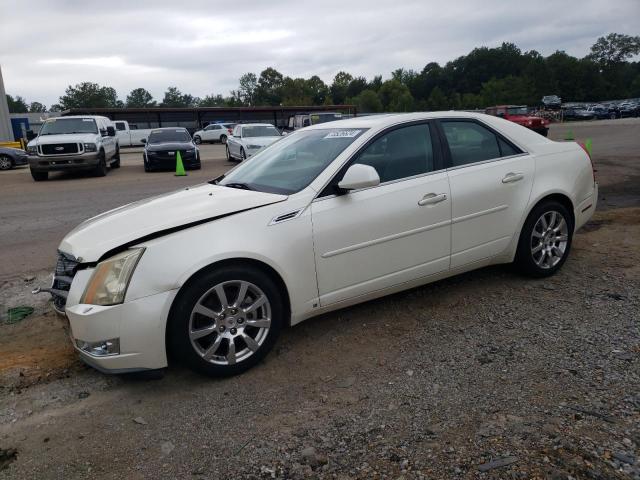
column 109, row 282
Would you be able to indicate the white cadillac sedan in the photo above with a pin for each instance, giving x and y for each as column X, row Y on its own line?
column 248, row 138
column 329, row 216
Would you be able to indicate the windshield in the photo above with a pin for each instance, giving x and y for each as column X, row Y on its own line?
column 169, row 136
column 292, row 163
column 69, row 125
column 260, row 131
column 517, row 110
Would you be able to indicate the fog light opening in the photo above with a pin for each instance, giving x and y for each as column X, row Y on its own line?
column 102, row 348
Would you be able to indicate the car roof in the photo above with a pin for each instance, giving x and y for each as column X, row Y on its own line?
column 169, row 128
column 376, row 121
column 255, row 125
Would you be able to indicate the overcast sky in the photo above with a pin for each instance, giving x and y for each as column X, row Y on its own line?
column 203, row 47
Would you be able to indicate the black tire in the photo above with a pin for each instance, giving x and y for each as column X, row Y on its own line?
column 243, row 155
column 223, row 139
column 115, row 161
column 525, row 261
column 178, row 338
column 197, row 140
column 229, row 158
column 147, row 168
column 5, row 162
column 101, row 168
column 39, row 176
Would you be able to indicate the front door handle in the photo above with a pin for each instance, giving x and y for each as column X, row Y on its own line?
column 432, row 198
column 512, row 177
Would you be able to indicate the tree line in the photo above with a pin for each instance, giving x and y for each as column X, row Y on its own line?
column 483, row 77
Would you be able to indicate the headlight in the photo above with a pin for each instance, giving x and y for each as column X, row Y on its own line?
column 32, row 150
column 90, row 147
column 254, row 146
column 109, row 282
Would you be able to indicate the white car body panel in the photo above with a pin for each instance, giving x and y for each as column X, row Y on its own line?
column 336, row 250
column 129, row 137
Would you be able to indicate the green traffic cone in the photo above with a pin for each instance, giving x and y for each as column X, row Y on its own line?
column 179, row 166
column 569, row 135
column 588, row 145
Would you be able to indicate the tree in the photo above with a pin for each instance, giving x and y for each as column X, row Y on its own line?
column 317, row 89
column 247, row 90
column 213, row 101
column 88, row 95
column 509, row 90
column 395, row 96
column 140, row 98
column 367, row 101
column 174, row 98
column 614, row 48
column 437, row 100
column 269, row 89
column 339, row 87
column 357, row 85
column 37, row 107
column 17, row 105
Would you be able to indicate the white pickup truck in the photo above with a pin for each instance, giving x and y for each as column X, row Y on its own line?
column 130, row 137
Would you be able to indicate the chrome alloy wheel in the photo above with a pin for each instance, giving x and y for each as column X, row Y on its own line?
column 230, row 322
column 549, row 239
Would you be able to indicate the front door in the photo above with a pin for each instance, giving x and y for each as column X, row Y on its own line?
column 375, row 238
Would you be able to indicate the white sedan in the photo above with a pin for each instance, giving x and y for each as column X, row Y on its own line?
column 248, row 138
column 330, row 216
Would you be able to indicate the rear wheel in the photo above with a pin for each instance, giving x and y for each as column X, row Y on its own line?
column 5, row 162
column 39, row 176
column 545, row 240
column 197, row 140
column 226, row 320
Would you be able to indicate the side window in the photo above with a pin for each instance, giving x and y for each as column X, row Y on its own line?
column 237, row 131
column 120, row 126
column 401, row 153
column 506, row 149
column 470, row 142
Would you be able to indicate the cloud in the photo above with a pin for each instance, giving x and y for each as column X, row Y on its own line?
column 202, row 48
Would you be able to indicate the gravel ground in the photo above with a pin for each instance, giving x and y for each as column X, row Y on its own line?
column 485, row 375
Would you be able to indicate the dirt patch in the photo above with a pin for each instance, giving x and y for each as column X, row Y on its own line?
column 35, row 349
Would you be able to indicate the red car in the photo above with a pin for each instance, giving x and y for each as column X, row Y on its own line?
column 519, row 114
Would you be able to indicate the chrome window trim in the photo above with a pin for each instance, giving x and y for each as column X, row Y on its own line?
column 490, row 160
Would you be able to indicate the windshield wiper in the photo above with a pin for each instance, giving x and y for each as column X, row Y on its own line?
column 242, row 186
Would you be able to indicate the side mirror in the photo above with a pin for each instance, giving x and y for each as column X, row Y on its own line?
column 111, row 132
column 144, row 140
column 359, row 176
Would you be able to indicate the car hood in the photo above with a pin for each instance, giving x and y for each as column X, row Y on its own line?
column 163, row 147
column 262, row 141
column 157, row 216
column 64, row 138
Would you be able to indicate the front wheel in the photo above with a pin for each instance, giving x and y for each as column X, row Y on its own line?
column 197, row 140
column 545, row 240
column 101, row 168
column 39, row 176
column 5, row 162
column 228, row 153
column 223, row 139
column 243, row 156
column 226, row 320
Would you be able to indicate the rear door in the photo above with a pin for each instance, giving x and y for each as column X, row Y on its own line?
column 375, row 238
column 491, row 181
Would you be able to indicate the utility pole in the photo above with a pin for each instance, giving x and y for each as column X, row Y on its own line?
column 6, row 132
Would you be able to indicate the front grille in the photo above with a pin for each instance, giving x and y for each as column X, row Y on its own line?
column 59, row 149
column 62, row 277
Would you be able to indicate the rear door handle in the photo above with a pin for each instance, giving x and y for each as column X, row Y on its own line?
column 432, row 198
column 512, row 177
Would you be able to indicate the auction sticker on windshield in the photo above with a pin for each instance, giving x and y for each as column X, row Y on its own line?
column 343, row 134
